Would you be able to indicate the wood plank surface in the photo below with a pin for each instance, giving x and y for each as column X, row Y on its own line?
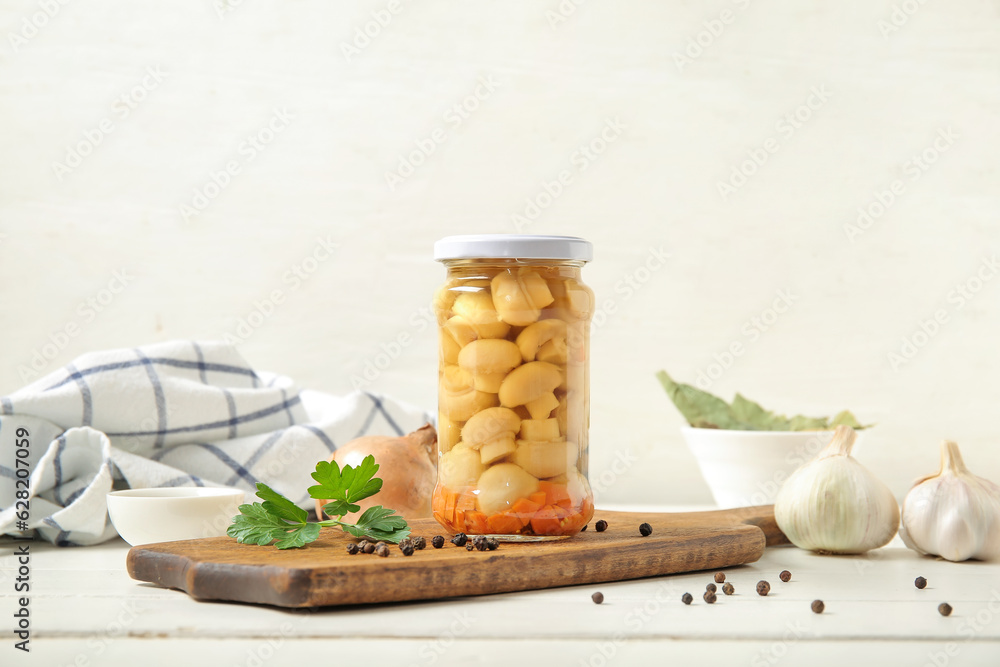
column 323, row 573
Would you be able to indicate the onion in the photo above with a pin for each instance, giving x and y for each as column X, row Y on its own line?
column 406, row 467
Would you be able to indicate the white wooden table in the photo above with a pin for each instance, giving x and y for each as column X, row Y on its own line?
column 85, row 610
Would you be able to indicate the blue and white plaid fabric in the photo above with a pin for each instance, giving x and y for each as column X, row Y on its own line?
column 179, row 413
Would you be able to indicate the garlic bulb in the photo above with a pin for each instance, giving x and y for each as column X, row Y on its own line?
column 953, row 514
column 834, row 504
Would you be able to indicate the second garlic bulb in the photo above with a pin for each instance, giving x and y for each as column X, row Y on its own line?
column 953, row 514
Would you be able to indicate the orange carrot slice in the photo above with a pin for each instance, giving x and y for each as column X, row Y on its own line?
column 503, row 523
column 475, row 522
column 525, row 506
column 548, row 520
column 466, row 501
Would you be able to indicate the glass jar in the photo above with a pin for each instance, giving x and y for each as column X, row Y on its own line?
column 513, row 385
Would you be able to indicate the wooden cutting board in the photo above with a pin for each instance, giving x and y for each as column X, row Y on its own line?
column 323, row 573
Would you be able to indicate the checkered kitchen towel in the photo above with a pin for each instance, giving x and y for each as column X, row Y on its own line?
column 179, row 413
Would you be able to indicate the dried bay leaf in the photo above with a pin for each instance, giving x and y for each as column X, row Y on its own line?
column 704, row 410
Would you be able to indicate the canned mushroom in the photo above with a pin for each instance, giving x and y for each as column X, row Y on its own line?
column 513, row 385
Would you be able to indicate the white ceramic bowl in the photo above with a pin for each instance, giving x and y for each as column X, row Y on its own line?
column 144, row 516
column 746, row 468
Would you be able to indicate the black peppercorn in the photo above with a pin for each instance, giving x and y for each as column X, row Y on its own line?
column 711, row 588
column 720, row 577
column 763, row 588
column 437, row 541
column 381, row 543
column 785, row 575
column 492, row 543
column 709, row 597
column 404, row 542
column 469, row 546
column 479, row 542
column 817, row 606
column 460, row 539
column 419, row 543
column 584, row 527
column 352, row 548
column 382, row 550
column 686, row 598
column 369, row 548
column 920, row 582
column 645, row 529
column 944, row 609
column 407, row 549
column 597, row 597
column 728, row 588
column 362, row 544
column 601, row 526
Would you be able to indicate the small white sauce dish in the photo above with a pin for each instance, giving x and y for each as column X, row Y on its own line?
column 145, row 516
column 745, row 468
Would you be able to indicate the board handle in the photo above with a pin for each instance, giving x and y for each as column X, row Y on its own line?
column 761, row 516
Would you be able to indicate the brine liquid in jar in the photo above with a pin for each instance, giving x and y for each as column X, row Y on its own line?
column 513, row 385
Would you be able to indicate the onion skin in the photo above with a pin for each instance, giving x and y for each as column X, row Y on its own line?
column 406, row 467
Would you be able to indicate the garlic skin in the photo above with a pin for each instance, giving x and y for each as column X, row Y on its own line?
column 833, row 504
column 953, row 514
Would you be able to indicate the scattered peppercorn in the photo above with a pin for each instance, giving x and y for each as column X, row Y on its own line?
column 469, row 546
column 460, row 539
column 785, row 575
column 492, row 543
column 920, row 583
column 597, row 597
column 362, row 544
column 728, row 588
column 381, row 543
column 382, row 550
column 369, row 548
column 437, row 541
column 686, row 598
column 407, row 549
column 419, row 543
column 720, row 577
column 763, row 588
column 584, row 527
column 710, row 597
column 404, row 542
column 645, row 529
column 711, row 588
column 479, row 542
column 601, row 526
column 352, row 548
column 944, row 609
column 817, row 606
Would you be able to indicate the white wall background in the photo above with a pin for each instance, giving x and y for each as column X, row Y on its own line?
column 892, row 88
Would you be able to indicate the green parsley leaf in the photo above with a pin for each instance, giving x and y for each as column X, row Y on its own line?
column 277, row 504
column 379, row 523
column 282, row 522
column 340, row 508
column 299, row 537
column 255, row 525
column 348, row 485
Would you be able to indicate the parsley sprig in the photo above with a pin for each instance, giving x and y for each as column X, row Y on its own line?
column 277, row 519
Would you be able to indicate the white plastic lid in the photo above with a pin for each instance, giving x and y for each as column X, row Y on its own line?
column 513, row 246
